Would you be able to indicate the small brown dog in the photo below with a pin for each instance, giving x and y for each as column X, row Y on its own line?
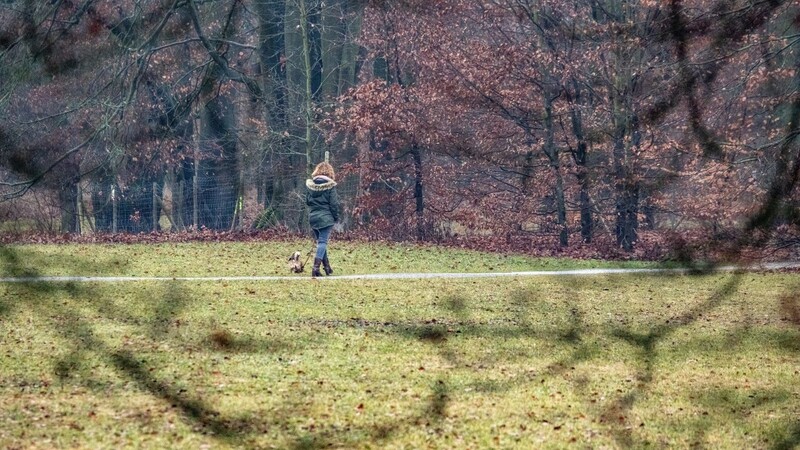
column 296, row 265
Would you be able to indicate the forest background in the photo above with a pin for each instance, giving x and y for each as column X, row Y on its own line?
column 627, row 128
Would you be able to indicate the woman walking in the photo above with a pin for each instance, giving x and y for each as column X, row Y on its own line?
column 323, row 212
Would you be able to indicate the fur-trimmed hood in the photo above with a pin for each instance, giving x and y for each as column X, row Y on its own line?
column 320, row 183
column 322, row 202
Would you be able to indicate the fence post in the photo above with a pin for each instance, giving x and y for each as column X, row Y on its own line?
column 154, row 208
column 78, row 205
column 114, row 208
column 194, row 201
column 178, row 209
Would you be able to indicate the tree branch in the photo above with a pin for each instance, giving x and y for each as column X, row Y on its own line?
column 25, row 186
column 251, row 84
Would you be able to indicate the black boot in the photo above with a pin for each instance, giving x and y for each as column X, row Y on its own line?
column 326, row 264
column 315, row 269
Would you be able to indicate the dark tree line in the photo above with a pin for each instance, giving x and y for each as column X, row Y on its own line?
column 553, row 121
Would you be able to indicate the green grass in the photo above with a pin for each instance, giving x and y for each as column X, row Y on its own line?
column 592, row 362
column 258, row 259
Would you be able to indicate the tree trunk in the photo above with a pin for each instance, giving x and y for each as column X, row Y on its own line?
column 218, row 169
column 625, row 124
column 584, row 200
column 553, row 155
column 68, row 200
column 102, row 205
column 297, row 60
column 332, row 38
column 175, row 212
column 307, row 86
column 348, row 65
column 418, row 193
column 135, row 205
column 627, row 191
column 272, row 55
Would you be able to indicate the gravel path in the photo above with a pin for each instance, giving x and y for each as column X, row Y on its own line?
column 412, row 276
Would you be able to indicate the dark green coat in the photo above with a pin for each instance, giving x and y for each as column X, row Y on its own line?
column 323, row 203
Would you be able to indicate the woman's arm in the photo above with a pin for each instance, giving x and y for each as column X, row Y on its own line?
column 335, row 207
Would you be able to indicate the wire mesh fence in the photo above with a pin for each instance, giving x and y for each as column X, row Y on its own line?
column 163, row 206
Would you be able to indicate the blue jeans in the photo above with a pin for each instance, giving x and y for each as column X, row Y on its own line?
column 322, row 236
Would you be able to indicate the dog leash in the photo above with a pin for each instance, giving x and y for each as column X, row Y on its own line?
column 308, row 255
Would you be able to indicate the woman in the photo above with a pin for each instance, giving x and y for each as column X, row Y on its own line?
column 323, row 212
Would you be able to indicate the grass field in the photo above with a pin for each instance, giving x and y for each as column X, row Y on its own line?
column 592, row 362
column 256, row 259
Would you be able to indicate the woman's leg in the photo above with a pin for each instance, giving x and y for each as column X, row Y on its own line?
column 326, row 264
column 322, row 236
column 317, row 261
